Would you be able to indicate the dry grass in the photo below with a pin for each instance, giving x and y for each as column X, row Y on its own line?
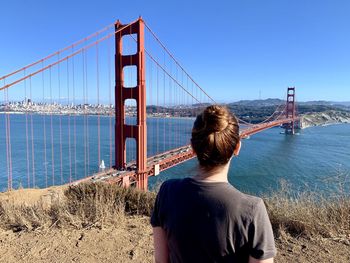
column 309, row 214
column 93, row 205
column 83, row 206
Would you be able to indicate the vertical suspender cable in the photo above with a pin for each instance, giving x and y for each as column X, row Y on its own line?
column 173, row 87
column 74, row 120
column 44, row 126
column 157, row 130
column 60, row 118
column 69, row 114
column 87, row 116
column 188, row 105
column 85, row 113
column 32, row 134
column 178, row 109
column 98, row 108
column 10, row 147
column 183, row 103
column 192, row 106
column 164, row 110
column 150, row 142
column 171, row 108
column 27, row 139
column 7, row 140
column 51, row 131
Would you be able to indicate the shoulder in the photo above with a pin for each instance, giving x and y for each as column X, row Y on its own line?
column 170, row 185
column 247, row 205
column 250, row 201
column 163, row 202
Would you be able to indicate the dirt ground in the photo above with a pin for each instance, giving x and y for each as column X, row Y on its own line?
column 32, row 196
column 130, row 240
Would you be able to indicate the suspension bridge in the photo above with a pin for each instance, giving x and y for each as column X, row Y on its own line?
column 115, row 106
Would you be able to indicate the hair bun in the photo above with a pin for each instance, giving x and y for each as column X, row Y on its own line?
column 215, row 135
column 215, row 119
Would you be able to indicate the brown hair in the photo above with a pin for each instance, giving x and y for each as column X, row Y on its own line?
column 215, row 135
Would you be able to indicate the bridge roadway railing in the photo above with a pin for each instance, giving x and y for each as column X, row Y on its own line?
column 166, row 160
column 264, row 126
column 155, row 164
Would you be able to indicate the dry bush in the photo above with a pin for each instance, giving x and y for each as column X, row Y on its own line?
column 23, row 217
column 99, row 201
column 84, row 205
column 309, row 214
column 96, row 204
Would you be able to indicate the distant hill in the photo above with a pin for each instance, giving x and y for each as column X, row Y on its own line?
column 315, row 102
column 345, row 103
column 276, row 102
column 255, row 111
column 260, row 103
column 339, row 104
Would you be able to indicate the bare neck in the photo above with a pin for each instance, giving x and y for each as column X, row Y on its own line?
column 217, row 174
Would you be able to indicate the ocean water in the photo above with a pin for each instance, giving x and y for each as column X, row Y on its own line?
column 316, row 159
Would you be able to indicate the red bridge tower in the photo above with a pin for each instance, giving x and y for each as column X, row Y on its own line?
column 290, row 111
column 123, row 130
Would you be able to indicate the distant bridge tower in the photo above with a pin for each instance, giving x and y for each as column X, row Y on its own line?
column 290, row 111
column 138, row 93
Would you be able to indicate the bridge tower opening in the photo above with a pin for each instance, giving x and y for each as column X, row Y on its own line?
column 290, row 111
column 138, row 93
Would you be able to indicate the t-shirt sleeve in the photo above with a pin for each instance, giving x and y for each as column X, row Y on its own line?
column 156, row 217
column 262, row 243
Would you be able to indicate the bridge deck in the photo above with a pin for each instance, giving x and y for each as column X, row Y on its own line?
column 166, row 160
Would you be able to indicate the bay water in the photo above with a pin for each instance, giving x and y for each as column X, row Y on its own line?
column 315, row 159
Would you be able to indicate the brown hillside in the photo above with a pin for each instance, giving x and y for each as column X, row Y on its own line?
column 103, row 223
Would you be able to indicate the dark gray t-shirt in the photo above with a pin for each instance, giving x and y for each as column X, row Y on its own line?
column 212, row 222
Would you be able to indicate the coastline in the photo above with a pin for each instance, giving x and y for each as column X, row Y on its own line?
column 41, row 113
column 326, row 118
column 307, row 120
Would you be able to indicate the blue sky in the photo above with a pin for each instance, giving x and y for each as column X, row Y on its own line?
column 234, row 49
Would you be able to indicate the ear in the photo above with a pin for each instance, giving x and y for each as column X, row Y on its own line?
column 237, row 149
